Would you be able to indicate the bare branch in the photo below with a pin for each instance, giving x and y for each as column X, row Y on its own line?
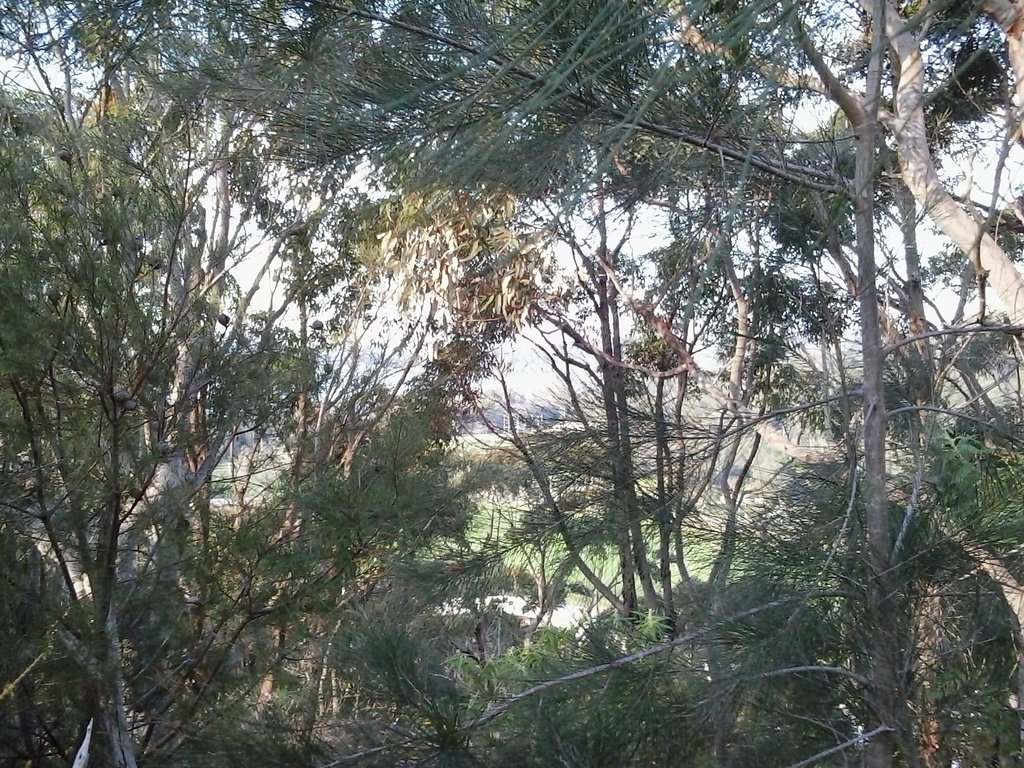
column 856, row 741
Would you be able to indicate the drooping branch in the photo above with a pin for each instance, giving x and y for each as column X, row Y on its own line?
column 804, row 175
column 858, row 740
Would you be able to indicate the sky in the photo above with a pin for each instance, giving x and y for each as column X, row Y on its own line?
column 971, row 171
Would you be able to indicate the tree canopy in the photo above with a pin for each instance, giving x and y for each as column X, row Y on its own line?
column 274, row 487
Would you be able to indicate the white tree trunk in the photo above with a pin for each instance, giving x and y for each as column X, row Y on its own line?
column 1009, row 15
column 918, row 170
column 115, row 717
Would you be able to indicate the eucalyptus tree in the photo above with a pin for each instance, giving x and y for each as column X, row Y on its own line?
column 778, row 138
column 174, row 309
column 548, row 101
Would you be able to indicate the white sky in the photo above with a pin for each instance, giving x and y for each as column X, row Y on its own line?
column 970, row 172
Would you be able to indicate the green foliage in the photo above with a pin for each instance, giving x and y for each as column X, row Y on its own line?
column 397, row 498
column 243, row 534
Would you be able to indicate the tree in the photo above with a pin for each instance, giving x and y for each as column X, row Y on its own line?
column 149, row 395
column 778, row 143
column 586, row 90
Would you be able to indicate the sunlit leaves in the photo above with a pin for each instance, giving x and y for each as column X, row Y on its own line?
column 461, row 259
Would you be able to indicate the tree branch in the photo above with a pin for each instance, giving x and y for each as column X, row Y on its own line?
column 803, row 175
column 632, row 658
column 857, row 740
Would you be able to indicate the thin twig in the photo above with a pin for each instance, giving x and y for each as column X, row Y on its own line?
column 632, row 658
column 864, row 737
column 973, row 328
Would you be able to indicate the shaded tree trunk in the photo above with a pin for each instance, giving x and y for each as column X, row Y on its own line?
column 881, row 590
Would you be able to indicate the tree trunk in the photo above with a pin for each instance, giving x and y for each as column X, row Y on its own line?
column 929, row 622
column 918, row 168
column 633, row 558
column 663, row 464
column 113, row 716
column 882, row 655
column 1009, row 15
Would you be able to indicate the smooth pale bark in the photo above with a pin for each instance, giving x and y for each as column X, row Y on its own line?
column 115, row 715
column 919, row 174
column 1009, row 15
column 106, row 682
column 917, row 168
column 82, row 755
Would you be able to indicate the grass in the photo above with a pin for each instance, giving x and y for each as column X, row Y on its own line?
column 494, row 528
